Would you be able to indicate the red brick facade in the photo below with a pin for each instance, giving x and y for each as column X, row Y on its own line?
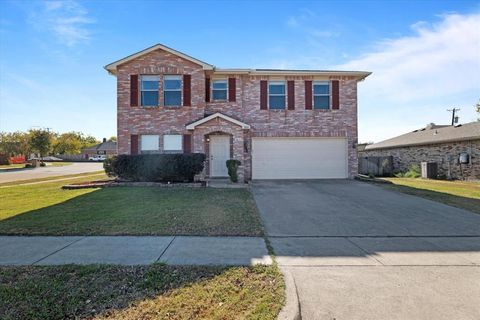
column 137, row 120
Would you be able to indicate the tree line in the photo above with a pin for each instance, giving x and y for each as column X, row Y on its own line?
column 45, row 142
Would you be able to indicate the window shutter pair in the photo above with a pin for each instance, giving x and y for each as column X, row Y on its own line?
column 134, row 90
column 232, row 89
column 335, row 84
column 264, row 95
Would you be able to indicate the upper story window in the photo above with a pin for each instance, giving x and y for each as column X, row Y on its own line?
column 172, row 90
column 219, row 90
column 276, row 94
column 321, row 95
column 149, row 88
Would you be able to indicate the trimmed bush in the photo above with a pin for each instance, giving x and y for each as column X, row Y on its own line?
column 155, row 167
column 232, row 166
column 4, row 159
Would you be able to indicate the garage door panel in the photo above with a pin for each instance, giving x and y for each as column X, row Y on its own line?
column 299, row 158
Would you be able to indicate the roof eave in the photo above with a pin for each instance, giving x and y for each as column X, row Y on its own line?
column 373, row 148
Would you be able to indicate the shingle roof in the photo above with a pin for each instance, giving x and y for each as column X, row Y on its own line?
column 104, row 146
column 430, row 135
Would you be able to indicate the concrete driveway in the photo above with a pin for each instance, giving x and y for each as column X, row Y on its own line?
column 43, row 172
column 357, row 251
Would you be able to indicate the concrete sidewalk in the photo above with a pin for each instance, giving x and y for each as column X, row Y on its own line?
column 133, row 250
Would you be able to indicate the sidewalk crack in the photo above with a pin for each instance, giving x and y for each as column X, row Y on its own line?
column 166, row 248
column 68, row 245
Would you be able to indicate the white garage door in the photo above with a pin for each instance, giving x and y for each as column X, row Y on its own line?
column 299, row 158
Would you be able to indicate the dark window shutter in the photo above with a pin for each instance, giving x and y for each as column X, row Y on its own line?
column 308, row 95
column 134, row 90
column 263, row 95
column 207, row 89
column 335, row 94
column 232, row 89
column 187, row 143
column 291, row 94
column 134, row 144
column 187, row 90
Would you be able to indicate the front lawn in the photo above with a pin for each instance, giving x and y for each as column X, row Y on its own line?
column 461, row 194
column 12, row 166
column 140, row 292
column 46, row 209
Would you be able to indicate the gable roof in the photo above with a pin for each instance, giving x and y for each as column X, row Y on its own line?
column 192, row 125
column 104, row 146
column 112, row 67
column 430, row 135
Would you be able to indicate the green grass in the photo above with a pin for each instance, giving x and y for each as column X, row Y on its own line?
column 461, row 194
column 58, row 164
column 96, row 175
column 12, row 166
column 46, row 209
column 140, row 292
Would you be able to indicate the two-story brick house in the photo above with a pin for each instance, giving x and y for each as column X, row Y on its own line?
column 281, row 124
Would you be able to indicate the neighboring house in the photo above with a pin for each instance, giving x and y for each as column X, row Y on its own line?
column 281, row 124
column 442, row 144
column 108, row 148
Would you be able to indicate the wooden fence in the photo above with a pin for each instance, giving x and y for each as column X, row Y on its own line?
column 378, row 166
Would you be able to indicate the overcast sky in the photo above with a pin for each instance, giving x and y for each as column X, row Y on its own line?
column 424, row 55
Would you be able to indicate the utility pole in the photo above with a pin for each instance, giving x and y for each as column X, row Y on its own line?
column 453, row 111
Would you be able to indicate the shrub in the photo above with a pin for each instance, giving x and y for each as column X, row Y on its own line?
column 413, row 171
column 43, row 164
column 4, row 159
column 155, row 167
column 232, row 166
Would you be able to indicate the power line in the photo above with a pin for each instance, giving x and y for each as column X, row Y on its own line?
column 453, row 111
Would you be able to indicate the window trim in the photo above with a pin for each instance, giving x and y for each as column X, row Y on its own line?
column 212, row 99
column 179, row 76
column 173, row 150
column 149, row 90
column 329, row 94
column 151, row 135
column 277, row 94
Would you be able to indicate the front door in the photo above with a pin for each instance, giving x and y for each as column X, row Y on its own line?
column 219, row 154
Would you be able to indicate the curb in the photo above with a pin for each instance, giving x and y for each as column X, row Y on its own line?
column 291, row 309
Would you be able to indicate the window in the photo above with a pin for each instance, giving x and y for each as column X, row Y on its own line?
column 172, row 142
column 149, row 142
column 150, row 90
column 219, row 90
column 172, row 90
column 276, row 94
column 321, row 95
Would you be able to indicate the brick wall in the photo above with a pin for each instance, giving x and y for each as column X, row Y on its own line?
column 445, row 154
column 246, row 108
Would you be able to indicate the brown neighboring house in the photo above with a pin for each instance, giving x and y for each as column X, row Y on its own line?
column 108, row 148
column 442, row 144
column 280, row 124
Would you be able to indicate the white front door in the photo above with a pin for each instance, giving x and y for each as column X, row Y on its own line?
column 219, row 154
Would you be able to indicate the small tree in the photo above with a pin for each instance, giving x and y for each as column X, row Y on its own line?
column 14, row 143
column 40, row 141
